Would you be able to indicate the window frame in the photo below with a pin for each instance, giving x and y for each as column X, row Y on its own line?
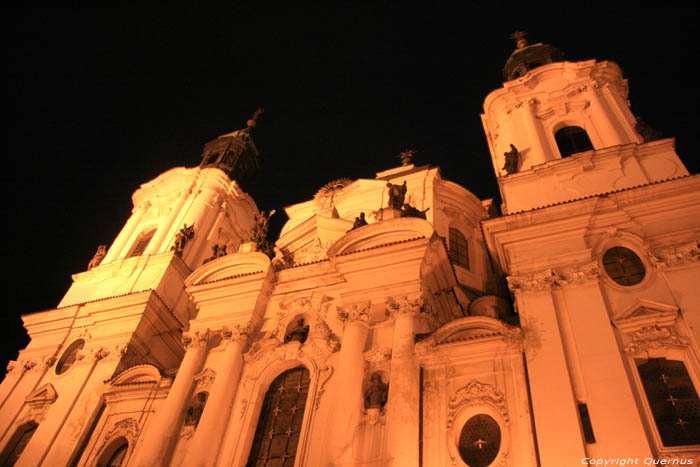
column 450, row 249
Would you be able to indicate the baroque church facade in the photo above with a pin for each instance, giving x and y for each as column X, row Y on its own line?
column 397, row 320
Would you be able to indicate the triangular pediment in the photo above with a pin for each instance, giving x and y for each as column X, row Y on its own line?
column 42, row 395
column 645, row 312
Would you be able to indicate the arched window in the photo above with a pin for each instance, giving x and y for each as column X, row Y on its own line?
column 141, row 243
column 572, row 139
column 279, row 427
column 115, row 454
column 673, row 400
column 69, row 357
column 459, row 248
column 17, row 443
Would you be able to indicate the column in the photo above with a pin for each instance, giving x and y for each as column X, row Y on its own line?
column 153, row 449
column 205, row 446
column 606, row 125
column 539, row 153
column 402, row 409
column 347, row 398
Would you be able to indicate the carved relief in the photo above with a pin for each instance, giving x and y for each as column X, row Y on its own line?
column 405, row 304
column 476, row 394
column 127, row 428
column 38, row 404
column 653, row 337
column 677, row 255
column 355, row 312
column 314, row 308
column 198, row 337
column 205, row 378
column 378, row 354
column 325, row 374
column 544, row 280
column 316, row 251
column 237, row 333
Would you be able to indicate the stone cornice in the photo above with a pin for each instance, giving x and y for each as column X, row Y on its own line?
column 554, row 277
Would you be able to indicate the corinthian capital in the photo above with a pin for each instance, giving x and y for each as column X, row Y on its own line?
column 405, row 305
column 356, row 312
column 237, row 333
column 200, row 338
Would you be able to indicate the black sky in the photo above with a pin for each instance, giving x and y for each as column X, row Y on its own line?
column 101, row 101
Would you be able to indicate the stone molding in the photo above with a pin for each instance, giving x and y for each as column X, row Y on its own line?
column 314, row 308
column 476, row 394
column 653, row 337
column 676, row 255
column 127, row 428
column 554, row 277
column 355, row 312
column 205, row 378
column 237, row 333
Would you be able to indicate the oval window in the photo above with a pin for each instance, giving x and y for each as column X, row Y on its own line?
column 480, row 441
column 623, row 266
column 70, row 356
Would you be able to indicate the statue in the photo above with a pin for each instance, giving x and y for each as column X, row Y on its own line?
column 217, row 252
column 512, row 159
column 410, row 211
column 406, row 156
column 298, row 333
column 376, row 393
column 359, row 222
column 258, row 234
column 99, row 256
column 194, row 412
column 647, row 132
column 397, row 194
column 181, row 238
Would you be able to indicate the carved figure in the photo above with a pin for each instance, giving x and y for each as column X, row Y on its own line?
column 410, row 211
column 194, row 412
column 512, row 160
column 258, row 234
column 298, row 333
column 376, row 393
column 406, row 156
column 397, row 194
column 181, row 238
column 647, row 132
column 359, row 222
column 217, row 252
column 99, row 256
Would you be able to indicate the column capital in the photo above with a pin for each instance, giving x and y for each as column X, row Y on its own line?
column 405, row 305
column 199, row 338
column 237, row 332
column 356, row 312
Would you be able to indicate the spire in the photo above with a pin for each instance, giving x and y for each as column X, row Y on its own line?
column 526, row 57
column 234, row 153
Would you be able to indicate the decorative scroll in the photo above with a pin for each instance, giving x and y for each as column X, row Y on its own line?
column 404, row 305
column 198, row 337
column 653, row 337
column 476, row 394
column 677, row 255
column 356, row 312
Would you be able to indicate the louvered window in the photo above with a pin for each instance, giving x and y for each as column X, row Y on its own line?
column 279, row 427
column 459, row 248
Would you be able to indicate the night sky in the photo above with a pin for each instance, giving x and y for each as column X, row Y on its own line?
column 101, row 101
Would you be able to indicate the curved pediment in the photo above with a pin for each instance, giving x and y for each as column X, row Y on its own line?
column 381, row 233
column 233, row 265
column 470, row 328
column 139, row 374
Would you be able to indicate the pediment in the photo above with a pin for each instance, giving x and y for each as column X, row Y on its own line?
column 471, row 328
column 229, row 266
column 139, row 374
column 382, row 233
column 644, row 313
column 42, row 395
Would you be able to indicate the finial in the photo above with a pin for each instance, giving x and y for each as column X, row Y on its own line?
column 406, row 156
column 253, row 119
column 520, row 41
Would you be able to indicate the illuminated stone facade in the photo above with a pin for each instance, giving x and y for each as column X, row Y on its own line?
column 392, row 342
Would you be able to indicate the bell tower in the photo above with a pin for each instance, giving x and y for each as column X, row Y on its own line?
column 560, row 130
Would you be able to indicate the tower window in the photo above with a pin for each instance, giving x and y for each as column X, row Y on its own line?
column 480, row 441
column 673, row 401
column 459, row 248
column 141, row 243
column 70, row 356
column 623, row 266
column 17, row 443
column 279, row 427
column 572, row 139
